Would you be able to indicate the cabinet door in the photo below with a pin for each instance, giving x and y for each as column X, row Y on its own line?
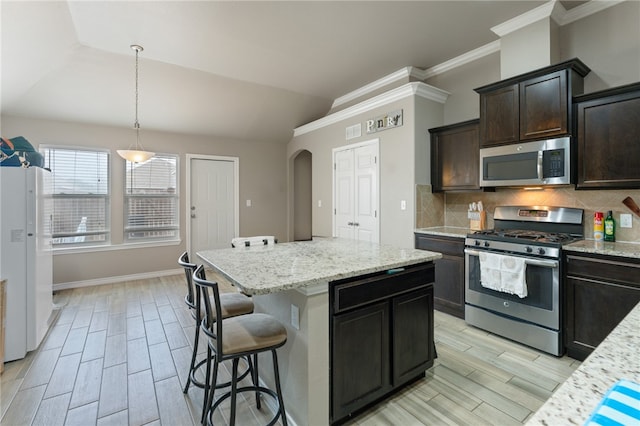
column 455, row 158
column 449, row 287
column 608, row 144
column 360, row 358
column 499, row 119
column 448, row 293
column 544, row 107
column 412, row 334
column 595, row 309
column 600, row 292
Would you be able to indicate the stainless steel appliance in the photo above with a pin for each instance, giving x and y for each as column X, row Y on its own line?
column 546, row 162
column 536, row 234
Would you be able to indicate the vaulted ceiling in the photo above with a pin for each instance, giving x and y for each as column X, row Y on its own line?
column 246, row 70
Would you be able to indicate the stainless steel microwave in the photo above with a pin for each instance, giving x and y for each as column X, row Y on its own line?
column 537, row 163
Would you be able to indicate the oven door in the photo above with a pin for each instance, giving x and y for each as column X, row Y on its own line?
column 540, row 307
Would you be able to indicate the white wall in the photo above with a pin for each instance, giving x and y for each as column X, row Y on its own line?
column 262, row 180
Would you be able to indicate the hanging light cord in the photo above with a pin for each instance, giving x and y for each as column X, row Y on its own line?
column 136, row 125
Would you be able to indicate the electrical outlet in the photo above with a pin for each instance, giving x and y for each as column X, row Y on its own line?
column 626, row 221
column 319, row 203
column 248, row 203
column 295, row 317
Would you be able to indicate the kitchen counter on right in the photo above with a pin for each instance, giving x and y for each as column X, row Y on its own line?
column 614, row 359
column 631, row 250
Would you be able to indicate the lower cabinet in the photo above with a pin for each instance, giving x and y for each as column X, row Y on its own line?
column 600, row 291
column 449, row 286
column 381, row 336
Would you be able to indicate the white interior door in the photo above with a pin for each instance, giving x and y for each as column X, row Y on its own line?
column 356, row 200
column 213, row 203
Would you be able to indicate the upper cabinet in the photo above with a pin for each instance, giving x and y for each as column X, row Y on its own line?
column 455, row 157
column 531, row 106
column 608, row 134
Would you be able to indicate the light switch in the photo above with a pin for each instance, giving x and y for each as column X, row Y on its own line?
column 403, row 205
column 248, row 203
column 319, row 203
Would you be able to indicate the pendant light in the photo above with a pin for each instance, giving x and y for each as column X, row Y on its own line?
column 137, row 155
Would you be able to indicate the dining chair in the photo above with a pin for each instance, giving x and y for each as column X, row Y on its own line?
column 232, row 339
column 253, row 241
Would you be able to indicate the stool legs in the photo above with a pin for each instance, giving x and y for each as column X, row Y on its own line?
column 193, row 358
column 276, row 373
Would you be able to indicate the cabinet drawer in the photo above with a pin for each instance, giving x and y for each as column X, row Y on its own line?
column 452, row 246
column 347, row 295
column 612, row 270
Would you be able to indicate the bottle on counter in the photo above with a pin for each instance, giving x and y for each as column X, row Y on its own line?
column 598, row 226
column 609, row 227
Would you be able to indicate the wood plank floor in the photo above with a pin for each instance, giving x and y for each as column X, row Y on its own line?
column 118, row 354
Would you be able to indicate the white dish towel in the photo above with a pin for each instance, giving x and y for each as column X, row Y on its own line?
column 503, row 273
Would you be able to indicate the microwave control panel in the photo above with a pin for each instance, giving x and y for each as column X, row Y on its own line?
column 553, row 163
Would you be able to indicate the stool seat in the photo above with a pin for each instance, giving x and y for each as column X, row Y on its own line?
column 251, row 333
column 234, row 304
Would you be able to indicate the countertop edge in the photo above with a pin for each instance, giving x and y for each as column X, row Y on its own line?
column 620, row 249
column 445, row 231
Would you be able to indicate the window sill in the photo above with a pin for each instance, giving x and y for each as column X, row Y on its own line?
column 114, row 247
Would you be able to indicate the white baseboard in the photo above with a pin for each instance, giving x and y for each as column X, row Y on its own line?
column 116, row 279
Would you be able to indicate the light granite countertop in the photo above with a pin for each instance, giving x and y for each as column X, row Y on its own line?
column 605, row 248
column 296, row 265
column 446, row 231
column 617, row 357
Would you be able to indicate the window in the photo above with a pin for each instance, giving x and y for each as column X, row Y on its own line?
column 151, row 199
column 76, row 196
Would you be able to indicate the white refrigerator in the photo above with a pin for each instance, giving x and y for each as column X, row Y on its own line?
column 26, row 260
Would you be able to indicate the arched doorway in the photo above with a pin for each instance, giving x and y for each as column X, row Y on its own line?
column 302, row 202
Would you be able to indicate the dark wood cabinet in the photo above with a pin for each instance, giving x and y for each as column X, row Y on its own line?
column 500, row 116
column 448, row 293
column 455, row 157
column 531, row 106
column 544, row 106
column 360, row 344
column 381, row 336
column 412, row 334
column 600, row 291
column 608, row 134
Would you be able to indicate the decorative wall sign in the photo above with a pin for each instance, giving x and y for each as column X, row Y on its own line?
column 384, row 122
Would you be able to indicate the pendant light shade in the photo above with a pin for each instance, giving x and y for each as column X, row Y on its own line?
column 137, row 155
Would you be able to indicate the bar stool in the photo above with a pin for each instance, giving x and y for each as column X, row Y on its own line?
column 231, row 305
column 234, row 338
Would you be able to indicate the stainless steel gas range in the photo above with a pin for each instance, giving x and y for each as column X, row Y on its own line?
column 513, row 274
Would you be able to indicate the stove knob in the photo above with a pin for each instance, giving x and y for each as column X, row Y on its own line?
column 477, row 243
column 528, row 249
column 541, row 251
column 486, row 243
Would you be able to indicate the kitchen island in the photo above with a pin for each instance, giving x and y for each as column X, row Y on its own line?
column 292, row 282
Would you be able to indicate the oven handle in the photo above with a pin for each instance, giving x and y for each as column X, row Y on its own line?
column 532, row 262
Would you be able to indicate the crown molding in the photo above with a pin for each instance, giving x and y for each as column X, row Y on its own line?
column 587, row 9
column 402, row 73
column 527, row 18
column 463, row 59
column 552, row 9
column 410, row 89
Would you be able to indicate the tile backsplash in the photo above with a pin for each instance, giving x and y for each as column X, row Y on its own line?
column 454, row 211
